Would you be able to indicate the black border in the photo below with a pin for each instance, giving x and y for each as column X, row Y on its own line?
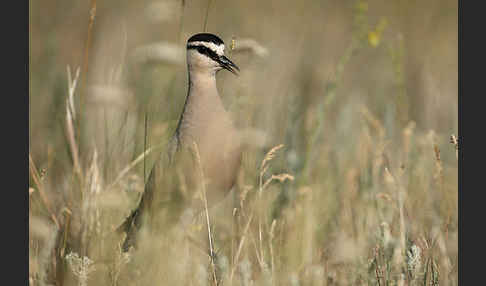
column 471, row 87
column 15, row 142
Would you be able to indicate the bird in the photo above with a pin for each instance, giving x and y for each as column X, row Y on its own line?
column 205, row 138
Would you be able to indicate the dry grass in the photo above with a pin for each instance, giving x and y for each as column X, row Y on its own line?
column 349, row 177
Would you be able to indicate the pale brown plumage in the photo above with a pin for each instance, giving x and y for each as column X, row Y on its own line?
column 174, row 179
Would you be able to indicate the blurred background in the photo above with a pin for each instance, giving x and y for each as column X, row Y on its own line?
column 363, row 95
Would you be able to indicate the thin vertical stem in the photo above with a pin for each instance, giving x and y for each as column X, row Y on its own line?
column 205, row 200
column 207, row 14
column 145, row 145
column 181, row 21
column 260, row 207
column 92, row 16
column 40, row 188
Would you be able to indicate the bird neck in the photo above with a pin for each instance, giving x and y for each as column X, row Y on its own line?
column 202, row 84
column 203, row 110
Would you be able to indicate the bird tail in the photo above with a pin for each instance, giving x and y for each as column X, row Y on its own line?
column 133, row 221
column 125, row 226
column 128, row 227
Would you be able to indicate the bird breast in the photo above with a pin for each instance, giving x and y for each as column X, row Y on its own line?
column 210, row 127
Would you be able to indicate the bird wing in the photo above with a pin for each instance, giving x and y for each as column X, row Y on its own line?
column 174, row 183
column 163, row 188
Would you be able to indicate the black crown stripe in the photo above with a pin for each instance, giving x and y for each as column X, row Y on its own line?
column 205, row 37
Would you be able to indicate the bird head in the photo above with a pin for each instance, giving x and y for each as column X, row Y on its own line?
column 205, row 52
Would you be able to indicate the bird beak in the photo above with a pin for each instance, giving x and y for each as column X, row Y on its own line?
column 228, row 65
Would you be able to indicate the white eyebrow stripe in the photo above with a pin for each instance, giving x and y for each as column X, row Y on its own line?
column 219, row 49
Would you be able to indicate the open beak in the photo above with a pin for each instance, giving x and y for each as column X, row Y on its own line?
column 228, row 65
